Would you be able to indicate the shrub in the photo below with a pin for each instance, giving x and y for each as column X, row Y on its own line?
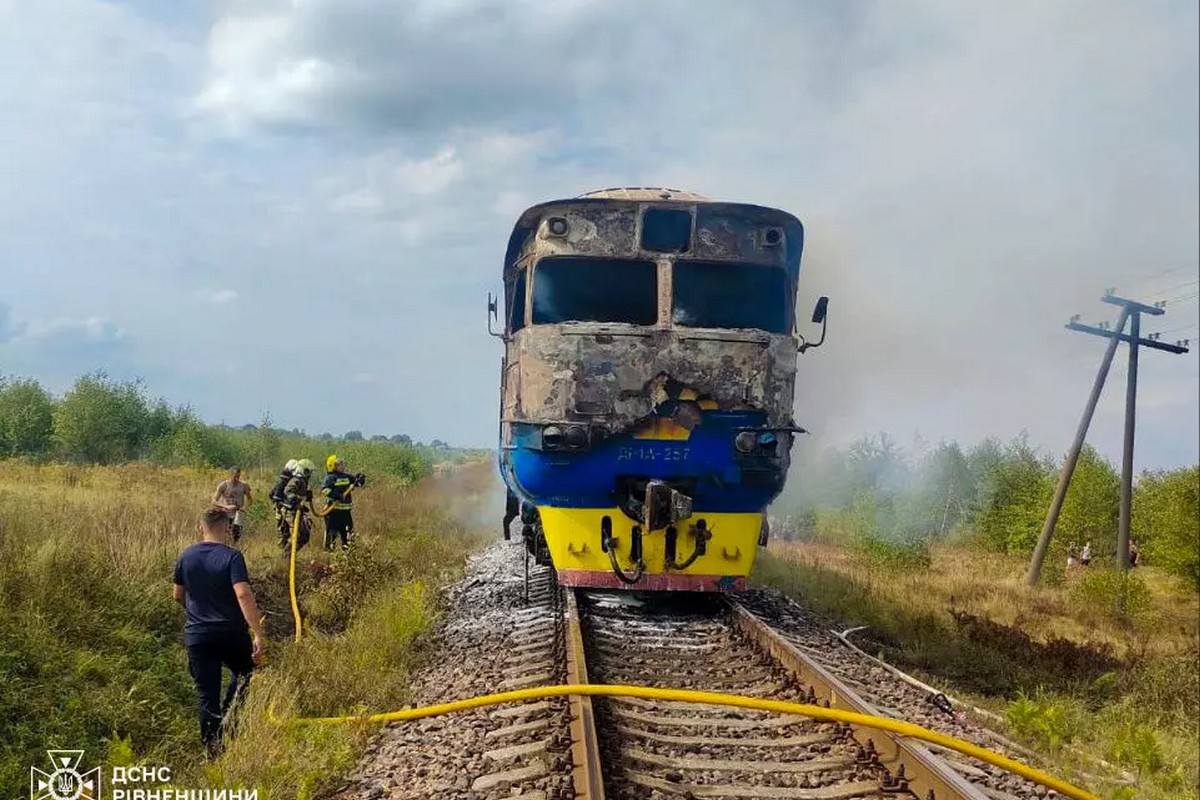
column 1047, row 720
column 1112, row 592
column 26, row 418
column 1166, row 517
column 101, row 421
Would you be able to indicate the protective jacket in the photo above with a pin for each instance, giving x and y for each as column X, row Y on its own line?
column 281, row 483
column 336, row 489
column 296, row 492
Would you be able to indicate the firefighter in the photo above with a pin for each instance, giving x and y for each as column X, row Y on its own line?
column 295, row 496
column 276, row 493
column 338, row 491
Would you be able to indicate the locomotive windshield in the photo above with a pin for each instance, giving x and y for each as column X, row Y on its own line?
column 574, row 289
column 710, row 294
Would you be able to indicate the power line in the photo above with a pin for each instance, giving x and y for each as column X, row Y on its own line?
column 1193, row 326
column 1177, row 287
column 1131, row 314
column 1169, row 270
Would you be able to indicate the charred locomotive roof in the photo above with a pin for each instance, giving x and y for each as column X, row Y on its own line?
column 608, row 223
column 653, row 193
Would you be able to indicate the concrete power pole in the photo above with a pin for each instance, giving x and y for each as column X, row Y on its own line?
column 1131, row 312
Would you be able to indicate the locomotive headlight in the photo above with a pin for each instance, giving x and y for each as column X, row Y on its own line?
column 745, row 441
column 557, row 226
column 552, row 437
column 576, row 436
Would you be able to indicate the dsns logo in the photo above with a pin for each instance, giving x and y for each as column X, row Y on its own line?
column 65, row 782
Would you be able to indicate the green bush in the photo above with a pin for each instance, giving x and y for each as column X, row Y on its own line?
column 893, row 554
column 1112, row 592
column 1013, row 500
column 26, row 418
column 1166, row 518
column 103, row 421
column 100, row 421
column 1047, row 720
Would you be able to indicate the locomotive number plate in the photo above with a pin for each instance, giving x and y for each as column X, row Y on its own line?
column 654, row 454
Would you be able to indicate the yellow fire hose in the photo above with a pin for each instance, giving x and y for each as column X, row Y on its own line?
column 292, row 571
column 711, row 698
column 292, row 558
column 679, row 695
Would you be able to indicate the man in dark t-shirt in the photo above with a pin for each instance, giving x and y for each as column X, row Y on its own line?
column 212, row 583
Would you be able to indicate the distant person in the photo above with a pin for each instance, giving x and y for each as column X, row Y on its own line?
column 1085, row 556
column 1071, row 561
column 297, row 498
column 213, row 585
column 1134, row 553
column 338, row 491
column 233, row 495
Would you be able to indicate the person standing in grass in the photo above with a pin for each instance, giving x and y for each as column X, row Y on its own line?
column 338, row 489
column 1085, row 557
column 213, row 585
column 233, row 495
column 297, row 498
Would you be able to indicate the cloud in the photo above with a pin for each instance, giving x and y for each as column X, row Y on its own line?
column 66, row 329
column 58, row 350
column 421, row 66
column 969, row 176
column 218, row 296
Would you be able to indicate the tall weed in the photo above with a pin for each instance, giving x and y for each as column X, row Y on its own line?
column 90, row 653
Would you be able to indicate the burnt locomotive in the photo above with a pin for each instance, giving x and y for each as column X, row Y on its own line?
column 647, row 384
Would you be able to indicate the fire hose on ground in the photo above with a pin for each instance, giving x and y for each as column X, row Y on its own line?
column 710, row 698
column 679, row 695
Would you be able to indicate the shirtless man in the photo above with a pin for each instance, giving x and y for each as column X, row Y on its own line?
column 233, row 495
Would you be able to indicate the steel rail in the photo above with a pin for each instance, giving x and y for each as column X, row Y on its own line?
column 911, row 765
column 587, row 770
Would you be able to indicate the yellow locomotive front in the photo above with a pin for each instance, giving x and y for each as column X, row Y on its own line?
column 647, row 384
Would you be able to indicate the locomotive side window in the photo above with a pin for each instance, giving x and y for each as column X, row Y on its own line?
column 709, row 294
column 577, row 289
column 516, row 317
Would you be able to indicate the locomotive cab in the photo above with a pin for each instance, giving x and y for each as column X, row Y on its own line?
column 647, row 384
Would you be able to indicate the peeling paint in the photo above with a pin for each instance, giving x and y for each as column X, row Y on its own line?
column 614, row 376
column 613, row 382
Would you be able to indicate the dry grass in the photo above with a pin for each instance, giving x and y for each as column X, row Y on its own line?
column 1124, row 687
column 991, row 585
column 90, row 653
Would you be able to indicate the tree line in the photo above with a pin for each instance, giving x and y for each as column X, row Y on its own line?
column 104, row 421
column 994, row 493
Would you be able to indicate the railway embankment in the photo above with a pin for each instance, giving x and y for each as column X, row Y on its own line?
column 1064, row 674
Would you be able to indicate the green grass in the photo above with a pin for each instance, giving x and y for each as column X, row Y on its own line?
column 90, row 652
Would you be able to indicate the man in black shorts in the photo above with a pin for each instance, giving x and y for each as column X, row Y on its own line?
column 212, row 583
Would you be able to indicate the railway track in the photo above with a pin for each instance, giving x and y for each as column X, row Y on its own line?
column 498, row 637
column 635, row 748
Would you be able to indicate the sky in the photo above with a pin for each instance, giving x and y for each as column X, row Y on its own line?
column 298, row 208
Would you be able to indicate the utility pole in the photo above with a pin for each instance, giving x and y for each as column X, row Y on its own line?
column 1131, row 312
